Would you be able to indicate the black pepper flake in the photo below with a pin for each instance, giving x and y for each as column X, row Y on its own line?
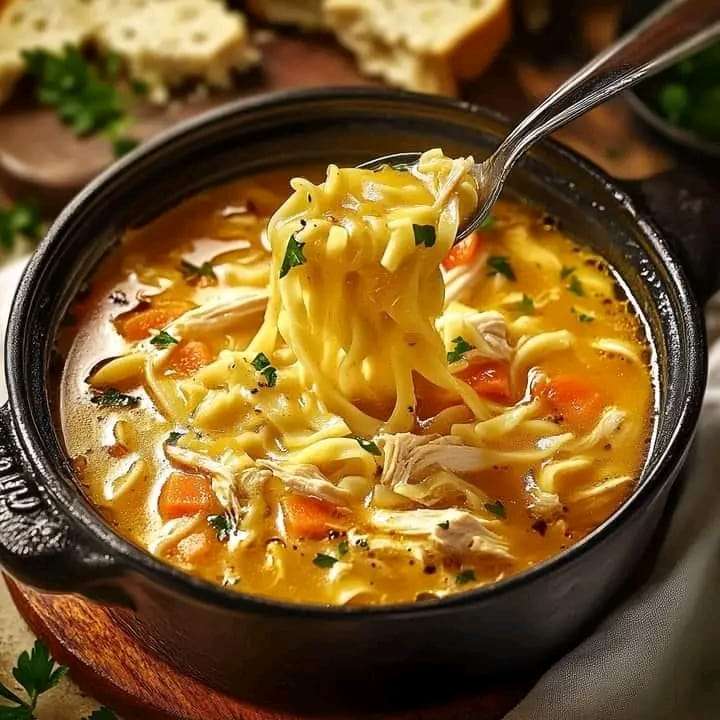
column 607, row 446
column 429, row 569
column 254, row 391
column 540, row 527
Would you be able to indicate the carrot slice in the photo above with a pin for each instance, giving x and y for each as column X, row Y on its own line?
column 137, row 325
column 489, row 379
column 464, row 252
column 184, row 494
column 574, row 397
column 311, row 517
column 194, row 547
column 187, row 358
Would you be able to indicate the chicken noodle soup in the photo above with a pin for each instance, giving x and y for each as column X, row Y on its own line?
column 329, row 403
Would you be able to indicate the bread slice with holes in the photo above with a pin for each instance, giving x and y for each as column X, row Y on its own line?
column 31, row 24
column 304, row 14
column 166, row 42
column 422, row 45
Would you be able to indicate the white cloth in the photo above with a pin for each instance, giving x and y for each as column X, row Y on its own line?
column 657, row 656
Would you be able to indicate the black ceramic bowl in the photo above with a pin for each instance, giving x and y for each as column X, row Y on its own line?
column 51, row 538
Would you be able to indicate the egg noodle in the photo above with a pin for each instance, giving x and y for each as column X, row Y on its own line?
column 375, row 395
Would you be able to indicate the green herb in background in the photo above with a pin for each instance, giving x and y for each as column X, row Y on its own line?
column 688, row 94
column 36, row 672
column 19, row 220
column 83, row 93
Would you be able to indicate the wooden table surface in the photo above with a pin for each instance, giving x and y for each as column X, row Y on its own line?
column 52, row 168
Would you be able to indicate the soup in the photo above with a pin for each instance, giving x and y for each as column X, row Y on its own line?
column 329, row 403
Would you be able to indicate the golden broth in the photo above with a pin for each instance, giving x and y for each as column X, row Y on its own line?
column 535, row 276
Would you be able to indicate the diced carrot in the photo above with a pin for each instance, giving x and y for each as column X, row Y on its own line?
column 574, row 397
column 312, row 518
column 184, row 494
column 194, row 547
column 137, row 325
column 489, row 379
column 117, row 450
column 188, row 357
column 463, row 252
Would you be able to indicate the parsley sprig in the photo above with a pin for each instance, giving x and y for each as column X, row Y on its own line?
column 163, row 340
column 112, row 397
column 424, row 235
column 193, row 273
column 19, row 220
column 82, row 93
column 36, row 672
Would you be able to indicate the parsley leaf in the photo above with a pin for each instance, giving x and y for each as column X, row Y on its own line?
column 223, row 526
column 111, row 397
column 293, row 256
column 424, row 235
column 123, row 144
column 324, row 561
column 195, row 272
column 36, row 672
column 566, row 270
column 102, row 713
column 343, row 548
column 465, row 576
column 487, row 223
column 582, row 316
column 575, row 286
column 500, row 265
column 263, row 366
column 367, row 445
column 163, row 339
column 21, row 219
column 526, row 306
column 445, row 524
column 496, row 508
column 173, row 437
column 461, row 347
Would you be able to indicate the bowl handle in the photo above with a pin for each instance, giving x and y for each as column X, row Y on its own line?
column 686, row 208
column 38, row 544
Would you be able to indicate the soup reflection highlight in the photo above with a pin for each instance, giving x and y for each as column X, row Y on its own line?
column 329, row 403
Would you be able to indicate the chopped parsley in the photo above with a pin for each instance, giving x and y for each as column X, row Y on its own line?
column 461, row 347
column 82, row 93
column 526, row 306
column 496, row 508
column 365, row 444
column 111, row 397
column 262, row 364
column 222, row 525
column 123, row 145
column 445, row 524
column 343, row 548
column 362, row 543
column 465, row 576
column 324, row 561
column 500, row 265
column 566, row 270
column 21, row 219
column 196, row 272
column 173, row 437
column 294, row 256
column 163, row 339
column 424, row 235
column 583, row 317
column 487, row 223
column 575, row 286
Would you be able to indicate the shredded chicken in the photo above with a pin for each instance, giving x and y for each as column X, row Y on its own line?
column 456, row 532
column 307, row 480
column 219, row 316
column 609, row 423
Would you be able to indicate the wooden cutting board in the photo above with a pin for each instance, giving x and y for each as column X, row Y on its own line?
column 116, row 670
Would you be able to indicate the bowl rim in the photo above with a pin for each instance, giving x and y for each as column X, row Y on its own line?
column 132, row 560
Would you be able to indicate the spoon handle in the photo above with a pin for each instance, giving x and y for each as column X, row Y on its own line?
column 672, row 32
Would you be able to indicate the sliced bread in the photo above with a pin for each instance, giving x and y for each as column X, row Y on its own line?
column 422, row 45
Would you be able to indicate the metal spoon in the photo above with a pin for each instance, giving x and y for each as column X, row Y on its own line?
column 677, row 29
